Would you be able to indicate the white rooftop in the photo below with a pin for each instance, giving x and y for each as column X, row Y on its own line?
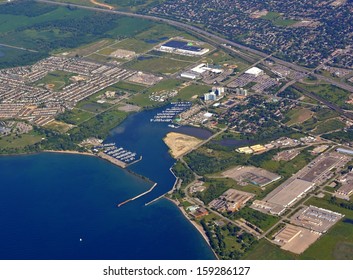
column 254, row 71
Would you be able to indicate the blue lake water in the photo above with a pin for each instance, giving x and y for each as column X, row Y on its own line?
column 49, row 202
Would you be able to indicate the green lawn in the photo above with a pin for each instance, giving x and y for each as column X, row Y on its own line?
column 52, row 29
column 188, row 92
column 157, row 64
column 261, row 220
column 331, row 93
column 277, row 19
column 298, row 115
column 265, row 250
column 329, row 125
column 75, row 116
column 20, row 141
column 130, row 87
column 133, row 44
column 168, row 84
column 142, row 100
column 220, row 58
column 59, row 79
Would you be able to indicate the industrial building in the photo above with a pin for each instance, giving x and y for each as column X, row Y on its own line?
column 202, row 68
column 183, row 48
column 231, row 200
column 295, row 239
column 189, row 75
column 254, row 71
column 315, row 218
column 345, row 151
column 245, row 175
column 346, row 190
column 284, row 196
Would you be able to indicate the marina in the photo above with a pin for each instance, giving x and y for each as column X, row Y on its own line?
column 169, row 114
column 116, row 155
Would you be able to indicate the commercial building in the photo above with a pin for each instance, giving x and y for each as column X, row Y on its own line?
column 189, row 75
column 202, row 68
column 295, row 239
column 346, row 190
column 284, row 196
column 315, row 218
column 216, row 94
column 245, row 175
column 231, row 200
column 245, row 150
column 210, row 96
column 182, row 47
column 258, row 148
column 345, row 151
column 254, row 71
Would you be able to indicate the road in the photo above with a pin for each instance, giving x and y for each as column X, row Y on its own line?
column 18, row 48
column 214, row 39
column 324, row 101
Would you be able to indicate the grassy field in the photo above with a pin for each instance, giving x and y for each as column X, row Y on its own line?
column 90, row 48
column 277, row 19
column 128, row 27
column 58, row 79
column 188, row 92
column 285, row 169
column 329, row 125
column 125, row 86
column 142, row 99
column 169, row 84
column 265, row 250
column 158, row 33
column 331, row 93
column 221, row 58
column 257, row 218
column 20, row 141
column 299, row 115
column 157, row 64
column 90, row 104
column 228, row 183
column 47, row 28
column 133, row 44
column 75, row 116
column 58, row 126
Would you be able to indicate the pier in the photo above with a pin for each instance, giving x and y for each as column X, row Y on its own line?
column 177, row 180
column 116, row 155
column 138, row 196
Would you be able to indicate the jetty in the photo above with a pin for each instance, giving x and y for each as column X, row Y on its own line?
column 138, row 196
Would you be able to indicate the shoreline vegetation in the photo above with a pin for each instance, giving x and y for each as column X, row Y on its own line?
column 196, row 225
column 175, row 202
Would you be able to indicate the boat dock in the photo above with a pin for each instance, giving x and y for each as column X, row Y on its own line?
column 168, row 115
column 138, row 196
column 116, row 155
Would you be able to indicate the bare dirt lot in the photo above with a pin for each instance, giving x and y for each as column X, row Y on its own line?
column 180, row 143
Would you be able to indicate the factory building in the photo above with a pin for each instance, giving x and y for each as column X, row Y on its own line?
column 345, row 151
column 182, row 47
column 254, row 71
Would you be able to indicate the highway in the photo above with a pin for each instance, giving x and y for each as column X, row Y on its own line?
column 214, row 39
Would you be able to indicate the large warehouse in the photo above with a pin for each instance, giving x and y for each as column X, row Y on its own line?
column 182, row 47
column 277, row 201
